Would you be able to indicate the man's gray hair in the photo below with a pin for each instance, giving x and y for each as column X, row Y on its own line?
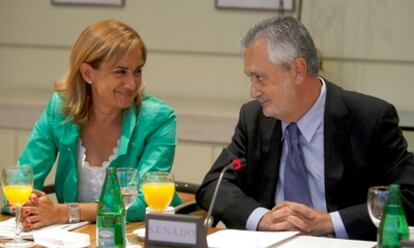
column 287, row 39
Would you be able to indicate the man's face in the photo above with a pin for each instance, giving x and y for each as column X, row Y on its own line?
column 270, row 83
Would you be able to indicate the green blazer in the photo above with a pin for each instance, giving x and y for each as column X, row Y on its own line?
column 147, row 143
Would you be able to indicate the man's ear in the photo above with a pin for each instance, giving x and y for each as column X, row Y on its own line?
column 86, row 72
column 298, row 69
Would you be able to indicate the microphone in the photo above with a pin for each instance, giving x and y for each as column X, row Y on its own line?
column 235, row 164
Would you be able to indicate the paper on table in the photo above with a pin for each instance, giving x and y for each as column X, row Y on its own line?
column 324, row 242
column 8, row 228
column 251, row 239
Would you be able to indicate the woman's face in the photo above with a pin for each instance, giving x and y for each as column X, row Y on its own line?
column 115, row 86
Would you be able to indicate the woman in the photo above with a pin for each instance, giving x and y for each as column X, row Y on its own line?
column 98, row 117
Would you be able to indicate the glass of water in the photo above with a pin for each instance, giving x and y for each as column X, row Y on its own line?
column 128, row 179
column 377, row 198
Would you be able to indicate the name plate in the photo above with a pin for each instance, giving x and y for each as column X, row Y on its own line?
column 165, row 230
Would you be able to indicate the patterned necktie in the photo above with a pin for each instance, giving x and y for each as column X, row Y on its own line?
column 296, row 183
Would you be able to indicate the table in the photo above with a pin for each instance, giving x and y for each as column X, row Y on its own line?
column 90, row 229
column 298, row 241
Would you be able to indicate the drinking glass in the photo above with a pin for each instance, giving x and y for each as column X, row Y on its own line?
column 158, row 189
column 17, row 185
column 377, row 198
column 128, row 179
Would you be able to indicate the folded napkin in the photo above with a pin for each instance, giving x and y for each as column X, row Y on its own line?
column 61, row 239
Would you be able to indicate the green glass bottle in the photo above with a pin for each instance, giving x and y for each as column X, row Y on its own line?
column 393, row 227
column 110, row 218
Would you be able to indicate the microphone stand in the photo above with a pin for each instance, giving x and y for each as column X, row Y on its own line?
column 236, row 162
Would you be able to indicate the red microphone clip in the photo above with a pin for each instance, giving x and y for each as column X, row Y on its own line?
column 238, row 164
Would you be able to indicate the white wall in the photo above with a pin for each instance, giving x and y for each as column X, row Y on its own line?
column 194, row 53
column 367, row 45
column 193, row 47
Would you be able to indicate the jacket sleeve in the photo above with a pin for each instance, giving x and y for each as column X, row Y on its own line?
column 41, row 150
column 158, row 155
column 233, row 206
column 392, row 163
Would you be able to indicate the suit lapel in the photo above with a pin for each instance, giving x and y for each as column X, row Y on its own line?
column 336, row 143
column 271, row 150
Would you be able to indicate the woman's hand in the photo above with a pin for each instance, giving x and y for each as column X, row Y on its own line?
column 40, row 211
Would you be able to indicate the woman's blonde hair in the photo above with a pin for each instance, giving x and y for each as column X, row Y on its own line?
column 100, row 42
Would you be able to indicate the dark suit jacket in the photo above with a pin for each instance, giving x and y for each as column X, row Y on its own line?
column 364, row 146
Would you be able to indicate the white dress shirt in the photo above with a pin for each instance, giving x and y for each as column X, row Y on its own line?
column 91, row 178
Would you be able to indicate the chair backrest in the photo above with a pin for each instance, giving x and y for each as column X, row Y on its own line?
column 187, row 192
column 186, row 187
column 49, row 189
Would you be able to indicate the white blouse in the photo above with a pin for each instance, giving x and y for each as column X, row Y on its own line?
column 91, row 178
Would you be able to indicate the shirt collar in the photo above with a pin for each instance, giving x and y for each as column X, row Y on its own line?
column 310, row 122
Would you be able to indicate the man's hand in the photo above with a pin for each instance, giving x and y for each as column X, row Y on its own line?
column 291, row 216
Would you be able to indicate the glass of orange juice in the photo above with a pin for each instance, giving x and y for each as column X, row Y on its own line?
column 158, row 189
column 17, row 183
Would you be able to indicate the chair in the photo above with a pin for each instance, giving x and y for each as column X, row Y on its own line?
column 49, row 189
column 186, row 191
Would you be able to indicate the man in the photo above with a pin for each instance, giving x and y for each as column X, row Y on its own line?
column 312, row 149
